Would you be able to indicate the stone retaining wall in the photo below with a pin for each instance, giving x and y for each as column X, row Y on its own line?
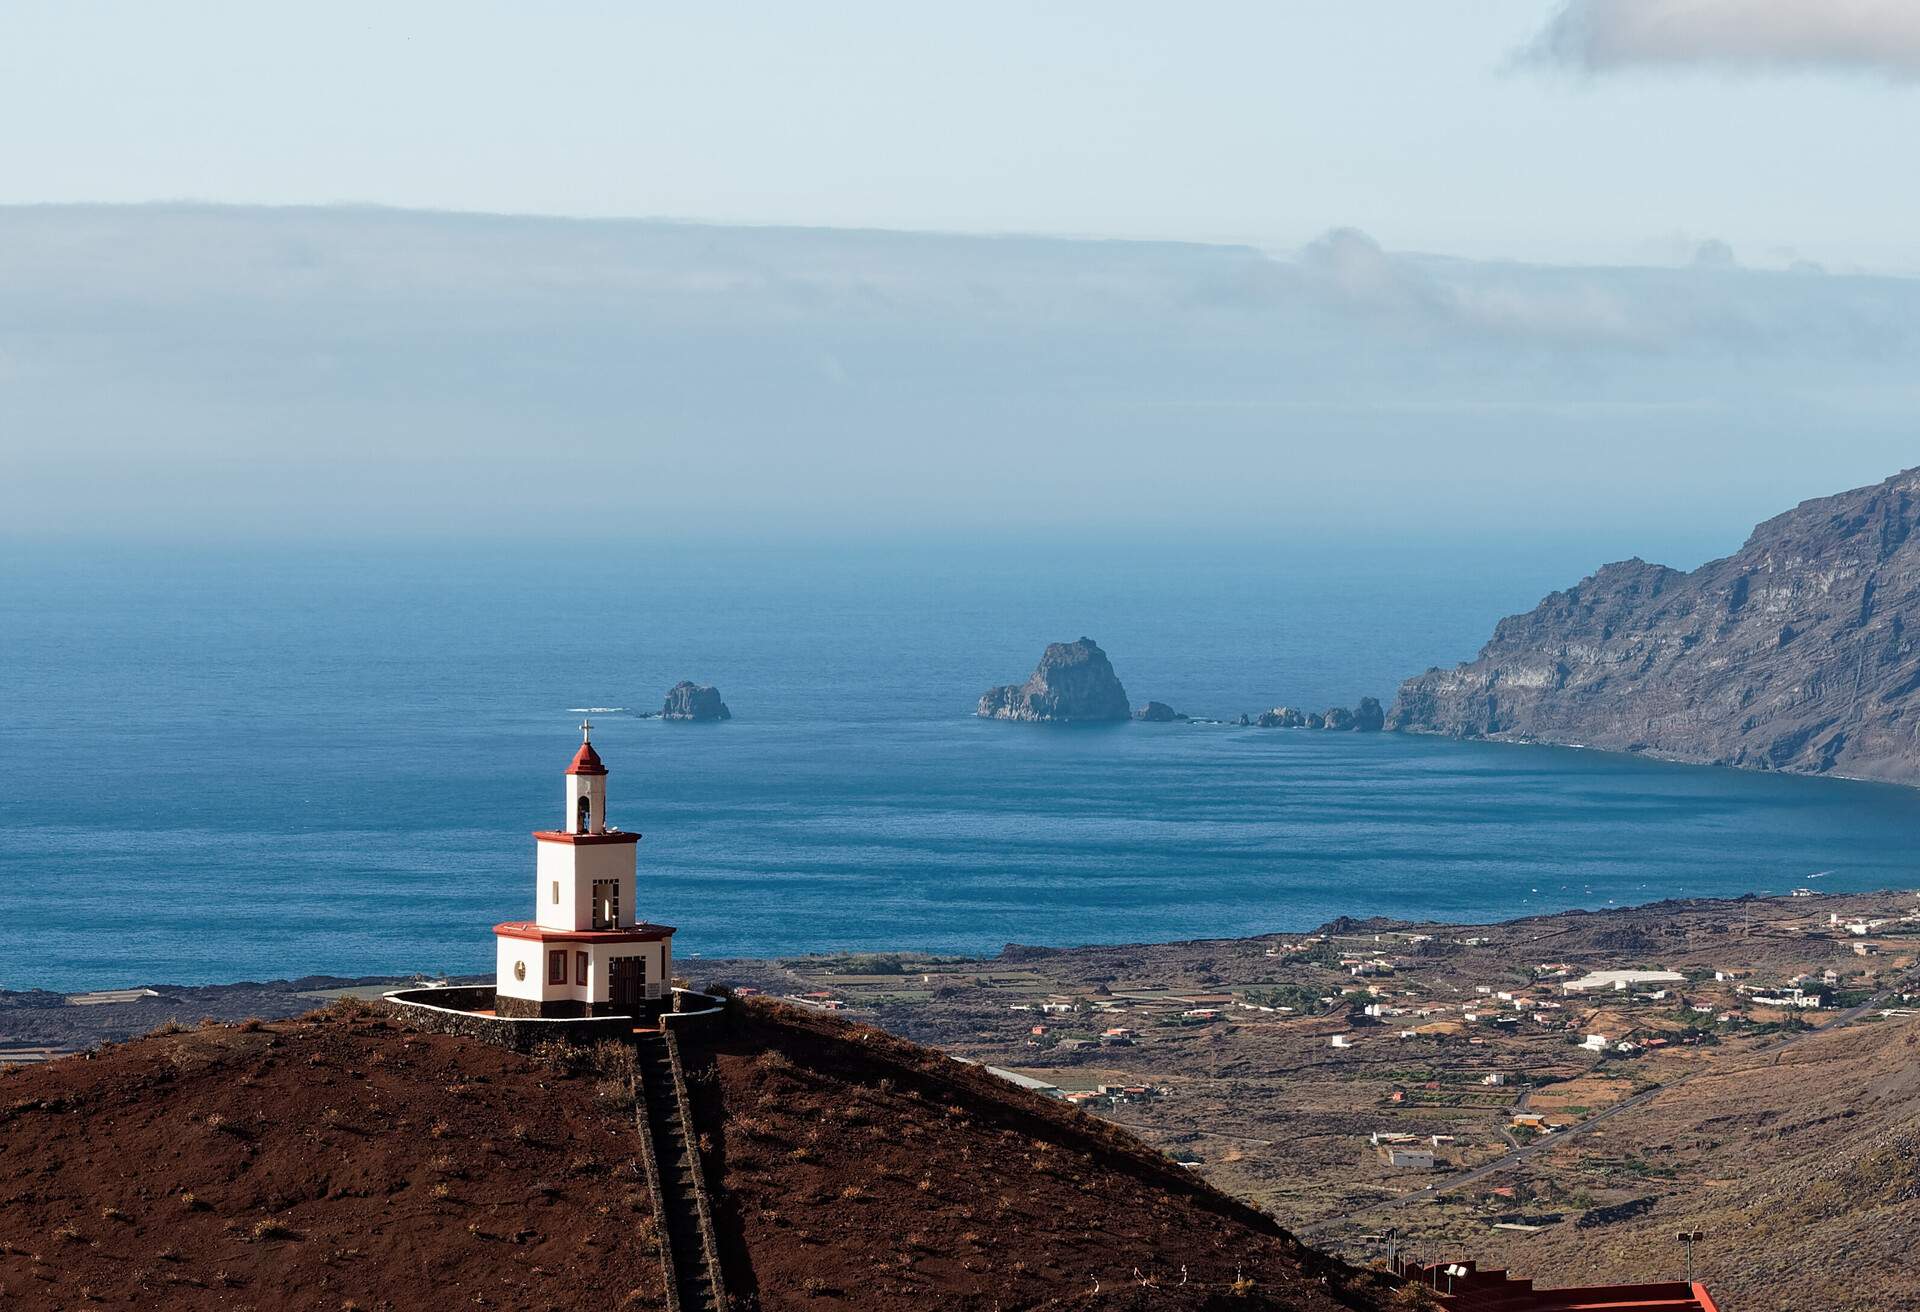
column 454, row 1011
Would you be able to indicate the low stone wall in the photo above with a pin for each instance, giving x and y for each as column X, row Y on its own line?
column 454, row 1011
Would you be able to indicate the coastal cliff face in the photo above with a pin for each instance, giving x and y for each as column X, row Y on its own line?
column 1074, row 681
column 1792, row 654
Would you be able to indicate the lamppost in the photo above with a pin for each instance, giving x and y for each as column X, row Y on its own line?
column 1689, row 1238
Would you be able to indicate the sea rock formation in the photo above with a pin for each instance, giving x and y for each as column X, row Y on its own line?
column 1791, row 654
column 1157, row 713
column 1073, row 682
column 1337, row 717
column 688, row 700
column 1368, row 717
column 1280, row 717
column 1315, row 720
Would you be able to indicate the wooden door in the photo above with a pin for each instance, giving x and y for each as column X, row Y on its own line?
column 627, row 982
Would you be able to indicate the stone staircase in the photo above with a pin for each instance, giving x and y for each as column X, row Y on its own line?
column 690, row 1254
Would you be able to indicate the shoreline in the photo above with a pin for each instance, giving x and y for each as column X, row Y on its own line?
column 320, row 981
column 52, row 1019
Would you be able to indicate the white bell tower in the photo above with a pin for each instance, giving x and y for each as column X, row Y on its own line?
column 585, row 952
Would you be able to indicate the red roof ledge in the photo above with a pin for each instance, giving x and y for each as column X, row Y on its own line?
column 586, row 840
column 541, row 934
column 586, row 761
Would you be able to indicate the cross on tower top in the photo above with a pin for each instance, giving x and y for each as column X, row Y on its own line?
column 586, row 731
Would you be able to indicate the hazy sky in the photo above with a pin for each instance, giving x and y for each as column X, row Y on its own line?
column 1616, row 130
column 1633, row 268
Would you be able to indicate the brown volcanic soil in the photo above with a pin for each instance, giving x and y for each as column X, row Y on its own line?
column 342, row 1161
column 1801, row 1167
column 856, row 1170
column 332, row 1162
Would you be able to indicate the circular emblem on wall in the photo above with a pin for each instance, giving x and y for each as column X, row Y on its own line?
column 519, row 970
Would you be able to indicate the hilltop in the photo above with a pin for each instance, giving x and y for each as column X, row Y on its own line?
column 1794, row 653
column 341, row 1160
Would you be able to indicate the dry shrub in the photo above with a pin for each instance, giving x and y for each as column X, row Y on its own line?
column 616, row 1059
column 560, row 1055
column 616, row 1092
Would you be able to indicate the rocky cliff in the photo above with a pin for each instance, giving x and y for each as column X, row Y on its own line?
column 1074, row 681
column 1791, row 654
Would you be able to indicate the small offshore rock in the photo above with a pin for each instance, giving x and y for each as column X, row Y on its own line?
column 1073, row 682
column 1337, row 717
column 1315, row 720
column 1368, row 717
column 1157, row 713
column 688, row 700
column 1280, row 717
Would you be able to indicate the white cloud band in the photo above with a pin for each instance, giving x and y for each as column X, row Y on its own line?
column 1867, row 36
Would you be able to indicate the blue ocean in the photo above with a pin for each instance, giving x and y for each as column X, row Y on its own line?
column 221, row 764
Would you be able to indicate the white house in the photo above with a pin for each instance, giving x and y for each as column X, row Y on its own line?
column 1622, row 979
column 584, row 953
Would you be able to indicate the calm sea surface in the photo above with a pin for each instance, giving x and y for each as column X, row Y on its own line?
column 223, row 765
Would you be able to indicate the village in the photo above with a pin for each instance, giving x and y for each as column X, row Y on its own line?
column 1326, row 1075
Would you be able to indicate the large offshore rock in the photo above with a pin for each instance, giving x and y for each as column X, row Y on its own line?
column 1368, row 717
column 1795, row 653
column 687, row 700
column 1074, row 681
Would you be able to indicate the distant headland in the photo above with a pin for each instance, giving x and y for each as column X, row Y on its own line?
column 1796, row 653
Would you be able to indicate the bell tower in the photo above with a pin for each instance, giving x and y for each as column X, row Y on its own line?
column 586, row 788
column 586, row 952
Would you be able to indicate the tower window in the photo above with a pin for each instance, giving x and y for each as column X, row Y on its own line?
column 556, row 892
column 585, row 813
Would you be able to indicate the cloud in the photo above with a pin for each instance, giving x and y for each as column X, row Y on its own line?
column 1714, row 254
column 289, row 370
column 1862, row 36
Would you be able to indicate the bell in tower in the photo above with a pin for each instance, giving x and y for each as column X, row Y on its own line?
column 586, row 787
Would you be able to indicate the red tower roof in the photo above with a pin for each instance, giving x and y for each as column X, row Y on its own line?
column 586, row 761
